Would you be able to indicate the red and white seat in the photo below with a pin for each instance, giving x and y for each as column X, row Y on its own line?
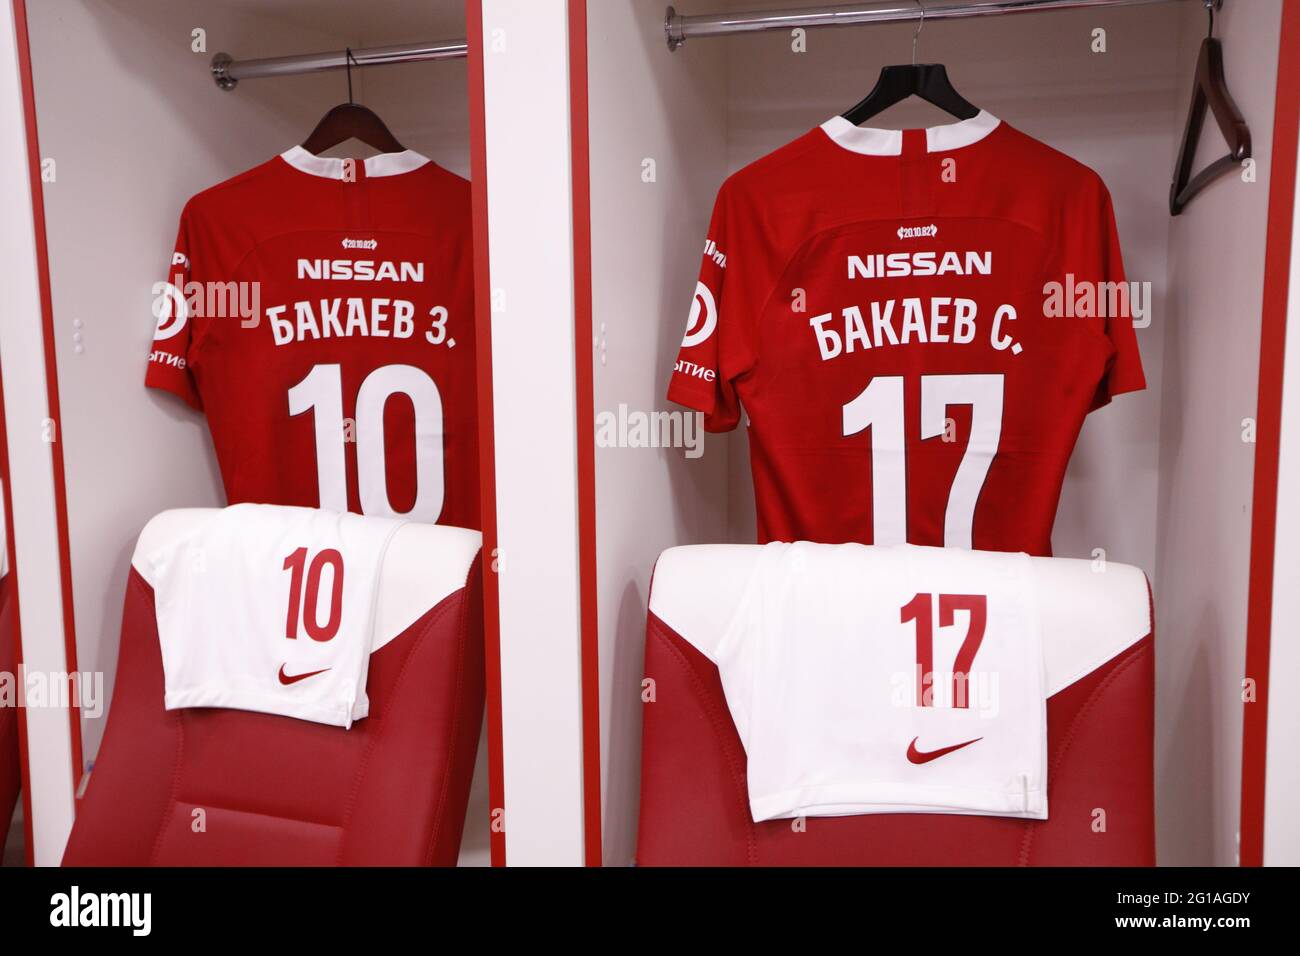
column 273, row 790
column 1098, row 650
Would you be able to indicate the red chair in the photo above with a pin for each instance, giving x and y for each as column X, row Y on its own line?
column 11, row 778
column 273, row 790
column 695, row 805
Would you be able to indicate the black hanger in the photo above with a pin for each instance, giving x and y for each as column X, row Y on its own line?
column 929, row 81
column 351, row 121
column 1210, row 90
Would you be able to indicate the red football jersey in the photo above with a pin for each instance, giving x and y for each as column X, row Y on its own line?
column 915, row 324
column 320, row 313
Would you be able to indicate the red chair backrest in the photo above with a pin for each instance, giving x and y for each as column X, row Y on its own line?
column 11, row 778
column 695, row 805
column 273, row 790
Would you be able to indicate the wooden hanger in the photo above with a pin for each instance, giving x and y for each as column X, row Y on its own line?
column 929, row 81
column 351, row 121
column 1210, row 90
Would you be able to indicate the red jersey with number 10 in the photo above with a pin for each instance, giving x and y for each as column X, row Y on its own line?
column 915, row 324
column 320, row 313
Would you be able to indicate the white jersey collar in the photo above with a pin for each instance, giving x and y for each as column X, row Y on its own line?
column 889, row 142
column 385, row 164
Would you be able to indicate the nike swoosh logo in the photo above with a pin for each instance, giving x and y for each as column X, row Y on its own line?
column 286, row 680
column 917, row 756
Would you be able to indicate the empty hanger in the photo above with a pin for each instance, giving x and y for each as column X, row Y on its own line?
column 1210, row 90
column 351, row 121
column 929, row 81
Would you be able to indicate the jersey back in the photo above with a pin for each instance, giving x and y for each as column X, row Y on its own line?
column 320, row 313
column 915, row 324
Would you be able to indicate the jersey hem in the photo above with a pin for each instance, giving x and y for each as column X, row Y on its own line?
column 683, row 394
column 185, row 395
column 1122, row 388
column 340, row 714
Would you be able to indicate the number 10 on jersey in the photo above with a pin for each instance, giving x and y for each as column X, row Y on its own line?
column 321, row 393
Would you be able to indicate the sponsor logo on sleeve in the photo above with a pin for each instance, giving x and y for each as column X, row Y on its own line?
column 703, row 319
column 170, row 309
column 713, row 253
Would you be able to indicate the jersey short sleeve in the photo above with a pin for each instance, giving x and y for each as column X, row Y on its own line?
column 1093, row 265
column 169, row 358
column 718, row 346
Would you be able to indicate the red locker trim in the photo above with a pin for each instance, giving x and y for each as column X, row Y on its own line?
column 52, row 390
column 486, row 439
column 586, row 425
column 1263, row 531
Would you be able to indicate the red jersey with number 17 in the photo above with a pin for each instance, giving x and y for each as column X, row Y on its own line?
column 915, row 324
column 320, row 313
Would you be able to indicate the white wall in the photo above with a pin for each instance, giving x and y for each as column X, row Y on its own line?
column 1216, row 270
column 133, row 121
column 646, row 241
